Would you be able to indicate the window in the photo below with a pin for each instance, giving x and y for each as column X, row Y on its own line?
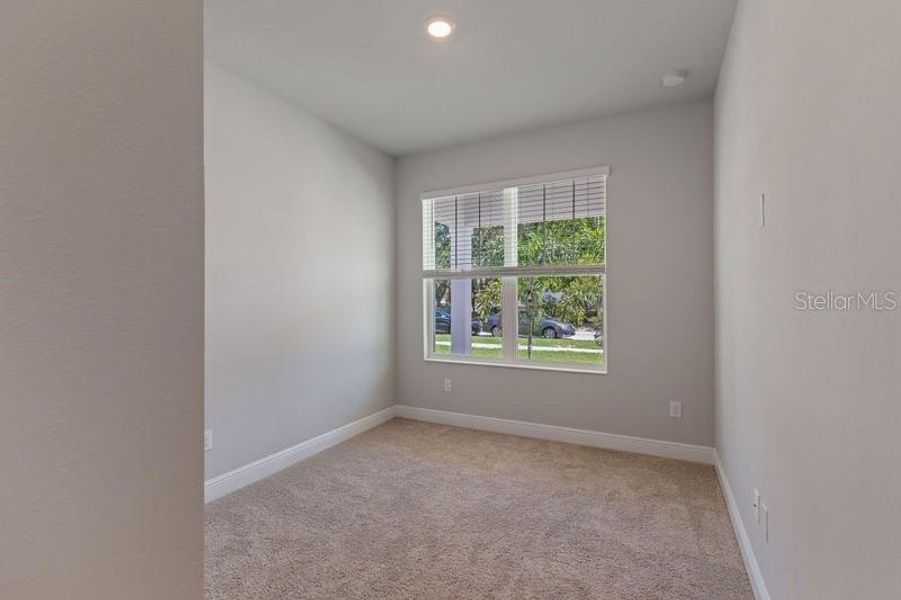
column 514, row 273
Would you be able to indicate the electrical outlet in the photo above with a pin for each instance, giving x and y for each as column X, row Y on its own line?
column 756, row 506
column 447, row 385
column 675, row 410
column 208, row 440
column 765, row 516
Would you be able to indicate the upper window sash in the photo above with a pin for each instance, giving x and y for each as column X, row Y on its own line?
column 508, row 228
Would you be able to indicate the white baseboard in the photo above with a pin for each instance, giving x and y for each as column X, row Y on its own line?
column 233, row 480
column 583, row 437
column 758, row 585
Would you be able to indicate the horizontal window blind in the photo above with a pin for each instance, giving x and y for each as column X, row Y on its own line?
column 555, row 225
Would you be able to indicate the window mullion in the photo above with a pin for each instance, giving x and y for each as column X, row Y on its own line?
column 509, row 317
column 511, row 216
column 510, row 309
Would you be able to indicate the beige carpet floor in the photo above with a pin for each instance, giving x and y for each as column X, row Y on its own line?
column 413, row 510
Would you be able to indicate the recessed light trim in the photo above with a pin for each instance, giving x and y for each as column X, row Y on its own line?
column 440, row 28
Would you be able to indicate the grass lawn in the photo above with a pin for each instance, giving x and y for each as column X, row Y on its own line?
column 536, row 341
column 480, row 352
column 544, row 354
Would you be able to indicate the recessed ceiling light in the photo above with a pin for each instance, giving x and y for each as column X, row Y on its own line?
column 440, row 27
column 674, row 78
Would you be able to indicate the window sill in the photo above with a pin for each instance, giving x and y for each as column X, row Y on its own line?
column 600, row 370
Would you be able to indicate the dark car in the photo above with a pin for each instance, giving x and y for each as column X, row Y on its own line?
column 548, row 327
column 443, row 322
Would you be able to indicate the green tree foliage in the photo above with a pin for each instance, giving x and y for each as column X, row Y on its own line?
column 442, row 259
column 574, row 242
column 488, row 247
column 442, row 246
column 574, row 299
column 487, row 298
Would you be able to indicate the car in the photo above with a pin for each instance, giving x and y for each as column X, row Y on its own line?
column 548, row 327
column 443, row 322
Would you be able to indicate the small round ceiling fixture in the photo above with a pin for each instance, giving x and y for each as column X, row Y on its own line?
column 440, row 27
column 674, row 78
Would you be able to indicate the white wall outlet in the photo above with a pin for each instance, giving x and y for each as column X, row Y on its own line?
column 447, row 385
column 207, row 440
column 756, row 506
column 675, row 410
column 765, row 517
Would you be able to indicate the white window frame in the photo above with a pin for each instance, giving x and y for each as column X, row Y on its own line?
column 508, row 275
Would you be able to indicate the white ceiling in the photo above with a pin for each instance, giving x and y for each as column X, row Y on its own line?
column 368, row 67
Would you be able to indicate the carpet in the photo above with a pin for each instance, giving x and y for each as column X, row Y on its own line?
column 415, row 510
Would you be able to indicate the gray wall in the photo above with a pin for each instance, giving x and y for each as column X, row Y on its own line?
column 808, row 406
column 299, row 254
column 101, row 299
column 660, row 297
